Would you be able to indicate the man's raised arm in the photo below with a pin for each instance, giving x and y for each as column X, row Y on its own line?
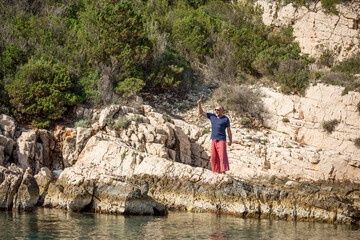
column 200, row 110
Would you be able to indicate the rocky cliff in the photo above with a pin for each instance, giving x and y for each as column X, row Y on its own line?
column 316, row 30
column 155, row 162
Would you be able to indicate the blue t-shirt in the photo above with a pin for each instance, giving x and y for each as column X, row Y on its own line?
column 218, row 126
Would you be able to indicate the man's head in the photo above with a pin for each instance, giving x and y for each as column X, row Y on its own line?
column 219, row 110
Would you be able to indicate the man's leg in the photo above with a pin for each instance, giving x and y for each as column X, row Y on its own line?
column 224, row 161
column 215, row 161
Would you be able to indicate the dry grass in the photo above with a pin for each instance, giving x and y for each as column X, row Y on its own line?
column 241, row 99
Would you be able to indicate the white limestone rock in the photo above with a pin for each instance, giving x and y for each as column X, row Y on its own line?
column 27, row 194
column 25, row 150
column 316, row 30
column 10, row 180
column 43, row 180
column 7, row 126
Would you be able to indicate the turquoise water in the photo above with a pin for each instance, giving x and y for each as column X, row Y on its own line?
column 58, row 224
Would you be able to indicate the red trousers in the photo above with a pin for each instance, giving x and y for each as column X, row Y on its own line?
column 219, row 158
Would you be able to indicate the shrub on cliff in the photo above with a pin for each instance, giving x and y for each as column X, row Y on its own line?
column 329, row 126
column 113, row 37
column 83, row 123
column 357, row 142
column 191, row 31
column 41, row 91
column 326, row 58
column 329, row 6
column 350, row 65
column 343, row 79
column 240, row 99
column 293, row 76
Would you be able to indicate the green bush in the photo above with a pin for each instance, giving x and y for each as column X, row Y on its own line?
column 121, row 123
column 293, row 76
column 129, row 86
column 337, row 78
column 11, row 57
column 326, row 58
column 285, row 120
column 82, row 123
column 90, row 84
column 246, row 121
column 350, row 65
column 357, row 142
column 329, row 126
column 205, row 131
column 138, row 45
column 137, row 119
column 190, row 32
column 341, row 79
column 197, row 3
column 41, row 91
column 278, row 46
column 120, row 45
column 168, row 70
column 120, row 35
column 328, row 5
column 167, row 117
column 259, row 49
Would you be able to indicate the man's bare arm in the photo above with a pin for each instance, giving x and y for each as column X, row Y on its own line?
column 230, row 135
column 200, row 110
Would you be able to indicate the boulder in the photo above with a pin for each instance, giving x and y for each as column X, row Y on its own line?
column 72, row 191
column 10, row 180
column 183, row 146
column 18, row 189
column 43, row 180
column 99, row 185
column 25, row 150
column 33, row 149
column 74, row 142
column 27, row 194
column 6, row 148
column 7, row 126
column 107, row 113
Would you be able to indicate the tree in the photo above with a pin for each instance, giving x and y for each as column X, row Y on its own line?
column 41, row 91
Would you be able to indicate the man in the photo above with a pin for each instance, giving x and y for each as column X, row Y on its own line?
column 219, row 122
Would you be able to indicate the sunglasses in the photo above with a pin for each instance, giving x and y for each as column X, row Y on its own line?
column 217, row 109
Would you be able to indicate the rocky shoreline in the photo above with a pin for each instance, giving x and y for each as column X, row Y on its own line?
column 158, row 163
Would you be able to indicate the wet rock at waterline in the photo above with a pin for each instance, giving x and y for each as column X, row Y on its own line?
column 18, row 189
column 90, row 186
column 27, row 194
column 113, row 177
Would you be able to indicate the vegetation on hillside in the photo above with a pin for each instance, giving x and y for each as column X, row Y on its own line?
column 56, row 54
column 328, row 5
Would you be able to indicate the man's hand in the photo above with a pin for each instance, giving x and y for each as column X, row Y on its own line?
column 229, row 135
column 200, row 110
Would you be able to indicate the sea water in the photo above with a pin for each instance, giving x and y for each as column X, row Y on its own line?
column 59, row 224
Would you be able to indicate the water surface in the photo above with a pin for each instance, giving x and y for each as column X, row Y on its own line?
column 58, row 224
